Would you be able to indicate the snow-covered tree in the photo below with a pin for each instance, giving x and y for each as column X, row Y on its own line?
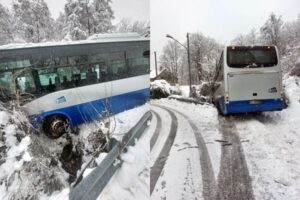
column 59, row 25
column 102, row 16
column 271, row 32
column 291, row 31
column 33, row 20
column 6, row 29
column 239, row 40
column 251, row 38
column 74, row 30
column 205, row 52
column 86, row 17
column 126, row 26
column 171, row 60
column 248, row 39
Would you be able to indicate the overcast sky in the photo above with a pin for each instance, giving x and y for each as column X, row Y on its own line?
column 131, row 9
column 220, row 19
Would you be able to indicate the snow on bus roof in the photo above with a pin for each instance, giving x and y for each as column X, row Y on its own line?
column 97, row 38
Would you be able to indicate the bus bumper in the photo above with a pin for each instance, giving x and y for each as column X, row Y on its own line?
column 249, row 106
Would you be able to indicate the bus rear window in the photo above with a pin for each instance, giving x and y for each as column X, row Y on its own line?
column 251, row 57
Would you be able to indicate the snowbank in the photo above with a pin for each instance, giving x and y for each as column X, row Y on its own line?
column 36, row 167
column 160, row 89
column 131, row 181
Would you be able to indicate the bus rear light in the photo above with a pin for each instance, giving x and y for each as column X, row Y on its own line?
column 282, row 95
column 226, row 98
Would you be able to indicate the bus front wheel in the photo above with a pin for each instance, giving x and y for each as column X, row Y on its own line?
column 55, row 126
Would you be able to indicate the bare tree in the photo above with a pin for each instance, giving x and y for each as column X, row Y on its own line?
column 240, row 40
column 204, row 53
column 126, row 25
column 171, row 59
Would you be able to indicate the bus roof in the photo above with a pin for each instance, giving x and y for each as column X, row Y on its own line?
column 249, row 46
column 97, row 38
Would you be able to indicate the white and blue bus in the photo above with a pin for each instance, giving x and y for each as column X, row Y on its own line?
column 249, row 80
column 70, row 83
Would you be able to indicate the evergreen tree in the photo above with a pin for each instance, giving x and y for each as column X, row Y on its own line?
column 86, row 17
column 6, row 31
column 33, row 20
column 102, row 17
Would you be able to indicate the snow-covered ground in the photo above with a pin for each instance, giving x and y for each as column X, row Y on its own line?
column 131, row 181
column 270, row 141
column 30, row 165
column 181, row 177
column 273, row 150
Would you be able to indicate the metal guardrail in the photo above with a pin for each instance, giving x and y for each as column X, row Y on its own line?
column 92, row 185
column 186, row 100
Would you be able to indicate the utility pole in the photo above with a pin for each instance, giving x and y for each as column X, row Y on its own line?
column 155, row 63
column 189, row 61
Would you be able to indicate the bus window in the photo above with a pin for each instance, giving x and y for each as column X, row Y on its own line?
column 49, row 80
column 220, row 69
column 6, row 83
column 118, row 69
column 25, row 83
column 92, row 74
column 15, row 64
column 138, row 63
column 103, row 73
column 79, row 76
column 251, row 57
column 65, row 76
column 75, row 60
column 138, row 66
column 60, row 61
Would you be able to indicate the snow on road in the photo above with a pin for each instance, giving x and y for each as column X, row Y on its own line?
column 270, row 143
column 181, row 177
column 183, row 158
column 273, row 148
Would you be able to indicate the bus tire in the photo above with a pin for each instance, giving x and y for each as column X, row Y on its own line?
column 55, row 126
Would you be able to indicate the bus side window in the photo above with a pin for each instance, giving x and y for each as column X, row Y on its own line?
column 103, row 73
column 65, row 75
column 220, row 69
column 138, row 63
column 92, row 75
column 48, row 80
column 118, row 69
column 25, row 83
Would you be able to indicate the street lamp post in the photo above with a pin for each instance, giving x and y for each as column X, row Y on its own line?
column 188, row 57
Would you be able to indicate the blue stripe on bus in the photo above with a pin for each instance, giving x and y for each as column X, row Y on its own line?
column 81, row 113
column 246, row 106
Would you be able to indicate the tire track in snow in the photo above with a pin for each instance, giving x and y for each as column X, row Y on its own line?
column 208, row 177
column 157, row 130
column 234, row 182
column 158, row 166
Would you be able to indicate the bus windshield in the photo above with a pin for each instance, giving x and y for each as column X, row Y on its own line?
column 251, row 57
